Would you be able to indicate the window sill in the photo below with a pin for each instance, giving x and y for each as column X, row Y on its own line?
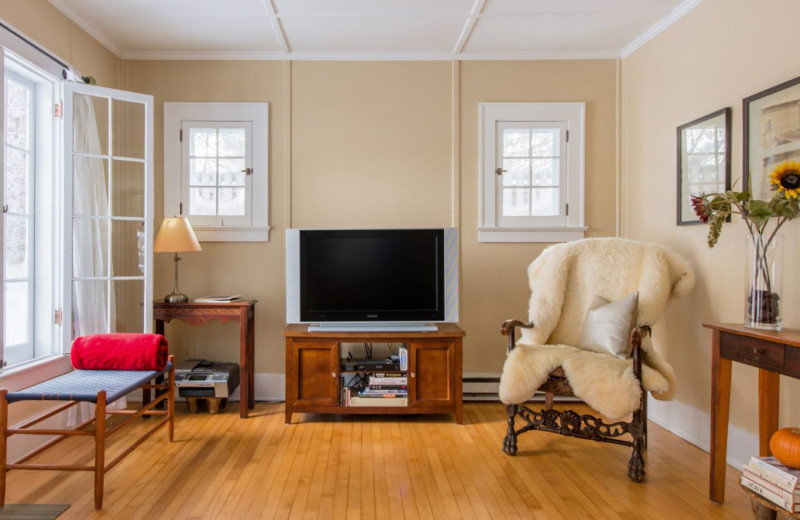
column 549, row 235
column 232, row 234
column 34, row 372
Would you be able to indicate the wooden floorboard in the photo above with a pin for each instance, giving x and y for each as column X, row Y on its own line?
column 362, row 467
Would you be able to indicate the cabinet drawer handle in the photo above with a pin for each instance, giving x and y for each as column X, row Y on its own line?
column 413, row 374
column 758, row 351
column 333, row 374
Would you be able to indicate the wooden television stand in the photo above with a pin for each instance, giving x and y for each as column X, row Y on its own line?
column 314, row 369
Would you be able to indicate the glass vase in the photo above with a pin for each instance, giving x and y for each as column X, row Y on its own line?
column 763, row 283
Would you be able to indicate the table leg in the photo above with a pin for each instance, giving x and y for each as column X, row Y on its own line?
column 768, row 401
column 720, row 411
column 251, row 340
column 244, row 364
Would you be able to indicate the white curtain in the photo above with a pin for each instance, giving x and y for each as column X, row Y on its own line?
column 92, row 310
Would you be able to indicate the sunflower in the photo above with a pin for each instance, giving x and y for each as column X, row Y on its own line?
column 786, row 178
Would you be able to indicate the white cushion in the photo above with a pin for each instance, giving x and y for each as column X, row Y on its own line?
column 608, row 326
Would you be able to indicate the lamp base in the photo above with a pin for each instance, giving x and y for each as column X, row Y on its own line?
column 176, row 297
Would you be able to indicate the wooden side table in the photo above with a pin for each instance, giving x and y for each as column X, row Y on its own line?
column 773, row 353
column 195, row 313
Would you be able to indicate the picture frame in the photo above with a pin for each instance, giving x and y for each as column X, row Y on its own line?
column 704, row 161
column 771, row 134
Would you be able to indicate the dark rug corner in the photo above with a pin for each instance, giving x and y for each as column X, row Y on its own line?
column 32, row 511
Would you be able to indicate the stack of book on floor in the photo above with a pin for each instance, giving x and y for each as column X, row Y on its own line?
column 773, row 481
column 382, row 390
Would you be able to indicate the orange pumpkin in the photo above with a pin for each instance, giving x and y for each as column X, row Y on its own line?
column 785, row 445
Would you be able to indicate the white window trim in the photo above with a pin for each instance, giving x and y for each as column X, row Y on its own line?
column 492, row 113
column 258, row 113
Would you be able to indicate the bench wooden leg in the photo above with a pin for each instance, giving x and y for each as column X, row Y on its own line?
column 99, row 448
column 3, row 444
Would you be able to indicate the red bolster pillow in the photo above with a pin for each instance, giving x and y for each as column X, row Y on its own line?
column 119, row 352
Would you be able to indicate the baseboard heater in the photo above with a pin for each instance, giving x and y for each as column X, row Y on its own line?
column 485, row 387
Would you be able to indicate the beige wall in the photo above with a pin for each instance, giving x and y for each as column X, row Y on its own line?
column 493, row 277
column 719, row 53
column 252, row 269
column 374, row 144
column 39, row 20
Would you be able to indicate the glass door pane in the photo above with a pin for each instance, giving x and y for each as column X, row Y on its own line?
column 18, row 268
column 109, row 166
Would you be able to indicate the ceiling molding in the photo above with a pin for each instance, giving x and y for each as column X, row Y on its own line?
column 91, row 29
column 362, row 56
column 469, row 26
column 277, row 26
column 660, row 26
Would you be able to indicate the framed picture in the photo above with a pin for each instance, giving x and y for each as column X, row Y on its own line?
column 704, row 160
column 771, row 134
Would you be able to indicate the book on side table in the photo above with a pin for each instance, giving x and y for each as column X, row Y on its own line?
column 774, row 481
column 219, row 299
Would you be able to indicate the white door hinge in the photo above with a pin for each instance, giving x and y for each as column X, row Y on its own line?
column 567, row 135
column 567, row 209
column 180, row 134
column 58, row 110
column 58, row 316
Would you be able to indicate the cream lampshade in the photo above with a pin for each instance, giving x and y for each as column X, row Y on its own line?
column 176, row 236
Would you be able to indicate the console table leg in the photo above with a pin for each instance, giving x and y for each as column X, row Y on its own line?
column 251, row 339
column 720, row 411
column 768, row 401
column 244, row 365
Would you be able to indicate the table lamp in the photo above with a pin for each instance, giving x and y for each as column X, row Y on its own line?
column 176, row 236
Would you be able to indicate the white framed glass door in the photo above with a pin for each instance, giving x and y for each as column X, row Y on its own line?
column 108, row 166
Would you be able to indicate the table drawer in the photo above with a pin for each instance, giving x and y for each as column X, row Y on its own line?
column 761, row 353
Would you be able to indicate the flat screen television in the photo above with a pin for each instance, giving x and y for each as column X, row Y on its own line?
column 372, row 278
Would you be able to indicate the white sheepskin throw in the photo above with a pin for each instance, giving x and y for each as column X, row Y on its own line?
column 564, row 280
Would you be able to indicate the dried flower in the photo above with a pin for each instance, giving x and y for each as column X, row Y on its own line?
column 700, row 208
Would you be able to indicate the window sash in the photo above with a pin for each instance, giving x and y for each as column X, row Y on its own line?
column 21, row 351
column 562, row 185
column 216, row 219
column 110, row 281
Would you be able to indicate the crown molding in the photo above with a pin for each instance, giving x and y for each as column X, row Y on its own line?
column 363, row 56
column 660, row 26
column 90, row 28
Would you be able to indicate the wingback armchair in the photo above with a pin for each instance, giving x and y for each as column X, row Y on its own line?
column 565, row 281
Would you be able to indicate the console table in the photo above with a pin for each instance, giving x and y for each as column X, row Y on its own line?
column 195, row 313
column 313, row 370
column 773, row 353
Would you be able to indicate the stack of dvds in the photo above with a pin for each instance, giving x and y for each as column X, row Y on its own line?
column 383, row 389
column 773, row 481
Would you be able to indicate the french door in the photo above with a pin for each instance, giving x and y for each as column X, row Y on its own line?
column 108, row 217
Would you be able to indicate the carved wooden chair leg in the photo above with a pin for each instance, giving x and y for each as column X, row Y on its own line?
column 644, row 418
column 548, row 400
column 510, row 442
column 636, row 462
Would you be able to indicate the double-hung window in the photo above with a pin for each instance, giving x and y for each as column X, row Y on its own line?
column 215, row 168
column 531, row 172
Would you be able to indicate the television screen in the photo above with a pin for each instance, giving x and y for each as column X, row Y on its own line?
column 372, row 275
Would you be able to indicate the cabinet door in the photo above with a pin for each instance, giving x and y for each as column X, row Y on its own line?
column 315, row 366
column 431, row 374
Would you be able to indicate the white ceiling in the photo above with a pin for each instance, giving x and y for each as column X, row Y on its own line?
column 378, row 29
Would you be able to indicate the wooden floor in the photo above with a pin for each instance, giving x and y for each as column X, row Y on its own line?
column 223, row 467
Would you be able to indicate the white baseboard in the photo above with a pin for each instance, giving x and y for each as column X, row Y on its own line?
column 694, row 426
